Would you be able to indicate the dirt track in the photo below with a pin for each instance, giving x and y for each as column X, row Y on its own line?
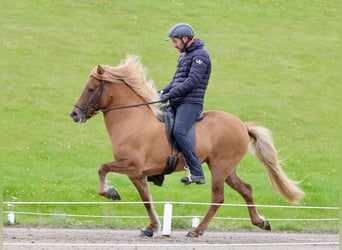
column 47, row 238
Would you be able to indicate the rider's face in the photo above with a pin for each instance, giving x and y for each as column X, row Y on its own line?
column 178, row 44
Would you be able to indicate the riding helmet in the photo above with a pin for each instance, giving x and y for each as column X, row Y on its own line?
column 180, row 30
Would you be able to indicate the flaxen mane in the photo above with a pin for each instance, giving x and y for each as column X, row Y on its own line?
column 133, row 73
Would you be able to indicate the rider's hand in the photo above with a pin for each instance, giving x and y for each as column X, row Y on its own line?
column 164, row 97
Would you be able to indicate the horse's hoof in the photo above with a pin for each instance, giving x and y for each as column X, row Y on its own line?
column 267, row 226
column 114, row 195
column 263, row 224
column 146, row 233
column 192, row 234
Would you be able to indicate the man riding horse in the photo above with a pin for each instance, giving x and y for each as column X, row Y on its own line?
column 186, row 94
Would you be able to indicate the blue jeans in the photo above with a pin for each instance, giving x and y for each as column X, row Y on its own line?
column 185, row 115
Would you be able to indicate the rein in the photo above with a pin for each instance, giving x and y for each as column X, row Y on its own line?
column 126, row 107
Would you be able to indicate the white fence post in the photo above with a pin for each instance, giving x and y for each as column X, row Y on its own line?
column 167, row 219
column 11, row 217
column 195, row 222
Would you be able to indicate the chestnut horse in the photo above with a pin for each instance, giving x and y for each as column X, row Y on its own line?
column 129, row 104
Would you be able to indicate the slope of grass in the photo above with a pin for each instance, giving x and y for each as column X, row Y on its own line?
column 273, row 62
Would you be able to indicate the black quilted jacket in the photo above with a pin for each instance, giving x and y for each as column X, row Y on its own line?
column 192, row 76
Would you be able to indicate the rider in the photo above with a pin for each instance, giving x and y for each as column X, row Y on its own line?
column 186, row 94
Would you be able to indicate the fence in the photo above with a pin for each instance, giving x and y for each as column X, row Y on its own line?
column 167, row 217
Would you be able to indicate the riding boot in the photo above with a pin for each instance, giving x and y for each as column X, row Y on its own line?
column 199, row 180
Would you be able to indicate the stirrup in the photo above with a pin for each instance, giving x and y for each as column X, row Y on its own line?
column 199, row 180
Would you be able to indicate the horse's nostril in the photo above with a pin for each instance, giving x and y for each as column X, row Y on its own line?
column 73, row 115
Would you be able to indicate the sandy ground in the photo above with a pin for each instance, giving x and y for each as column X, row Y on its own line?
column 48, row 238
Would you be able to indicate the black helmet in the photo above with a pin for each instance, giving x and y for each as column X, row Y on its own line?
column 179, row 30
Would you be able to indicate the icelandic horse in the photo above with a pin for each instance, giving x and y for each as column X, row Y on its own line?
column 129, row 103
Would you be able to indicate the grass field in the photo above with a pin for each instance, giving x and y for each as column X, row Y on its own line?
column 274, row 62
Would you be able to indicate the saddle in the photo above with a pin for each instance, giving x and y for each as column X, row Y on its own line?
column 167, row 117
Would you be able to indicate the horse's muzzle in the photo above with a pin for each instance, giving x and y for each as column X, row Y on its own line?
column 77, row 117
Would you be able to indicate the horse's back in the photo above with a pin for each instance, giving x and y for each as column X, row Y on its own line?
column 223, row 116
column 221, row 120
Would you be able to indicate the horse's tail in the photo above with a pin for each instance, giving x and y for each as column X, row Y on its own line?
column 261, row 144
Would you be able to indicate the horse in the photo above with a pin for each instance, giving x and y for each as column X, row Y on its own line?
column 130, row 106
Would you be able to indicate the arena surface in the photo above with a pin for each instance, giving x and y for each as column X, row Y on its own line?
column 49, row 238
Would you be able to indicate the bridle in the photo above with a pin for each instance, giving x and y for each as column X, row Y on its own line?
column 97, row 93
column 97, row 109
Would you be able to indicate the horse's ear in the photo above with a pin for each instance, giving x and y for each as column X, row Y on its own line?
column 100, row 70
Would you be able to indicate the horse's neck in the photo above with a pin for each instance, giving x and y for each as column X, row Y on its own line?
column 122, row 121
column 125, row 122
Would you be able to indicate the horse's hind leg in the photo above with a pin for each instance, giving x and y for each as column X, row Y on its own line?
column 217, row 198
column 245, row 190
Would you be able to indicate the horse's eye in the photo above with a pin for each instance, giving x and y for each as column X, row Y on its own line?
column 91, row 90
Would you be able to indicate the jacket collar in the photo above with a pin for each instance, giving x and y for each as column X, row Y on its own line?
column 196, row 44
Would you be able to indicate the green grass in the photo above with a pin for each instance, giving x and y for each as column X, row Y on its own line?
column 274, row 62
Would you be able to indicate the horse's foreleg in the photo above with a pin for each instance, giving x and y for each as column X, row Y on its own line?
column 143, row 189
column 120, row 167
column 245, row 191
column 123, row 167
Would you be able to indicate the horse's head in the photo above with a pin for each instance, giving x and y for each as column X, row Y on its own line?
column 90, row 100
column 112, row 88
